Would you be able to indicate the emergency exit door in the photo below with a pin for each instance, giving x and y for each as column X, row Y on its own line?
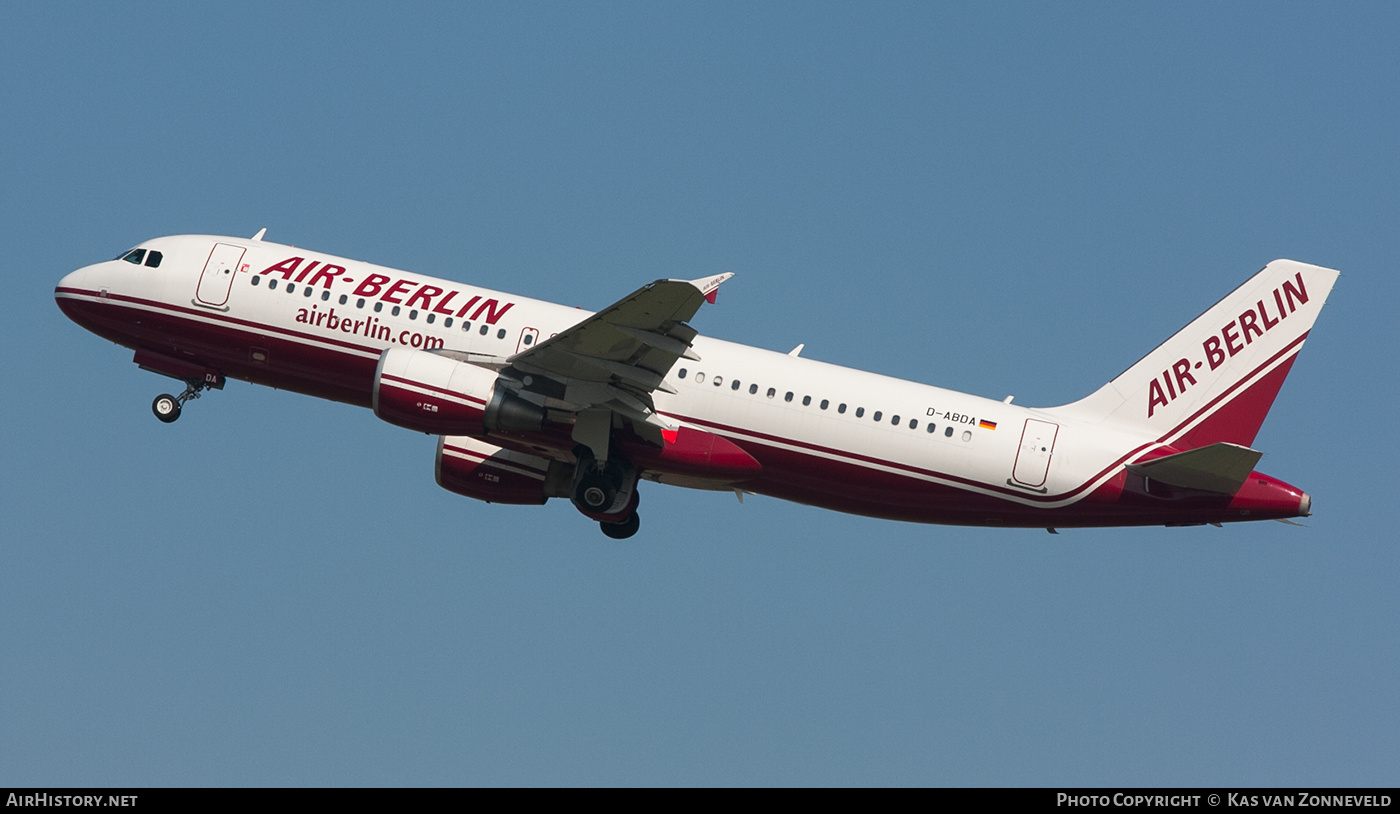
column 528, row 338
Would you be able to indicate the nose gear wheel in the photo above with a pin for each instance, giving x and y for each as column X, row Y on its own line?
column 167, row 407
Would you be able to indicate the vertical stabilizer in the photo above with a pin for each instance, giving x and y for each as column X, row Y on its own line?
column 1215, row 380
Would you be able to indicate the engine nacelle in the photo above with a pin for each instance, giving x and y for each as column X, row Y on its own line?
column 486, row 472
column 435, row 394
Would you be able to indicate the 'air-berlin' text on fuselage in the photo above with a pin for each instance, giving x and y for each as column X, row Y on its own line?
column 448, row 302
column 1233, row 338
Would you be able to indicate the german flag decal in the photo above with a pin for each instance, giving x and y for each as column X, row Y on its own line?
column 987, row 425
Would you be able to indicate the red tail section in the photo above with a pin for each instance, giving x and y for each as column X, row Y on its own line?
column 1238, row 419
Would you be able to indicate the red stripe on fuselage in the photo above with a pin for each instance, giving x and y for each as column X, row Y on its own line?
column 448, row 394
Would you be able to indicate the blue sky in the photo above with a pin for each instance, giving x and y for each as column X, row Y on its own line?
column 1002, row 199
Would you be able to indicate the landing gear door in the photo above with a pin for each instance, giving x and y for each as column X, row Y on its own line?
column 217, row 279
column 1033, row 457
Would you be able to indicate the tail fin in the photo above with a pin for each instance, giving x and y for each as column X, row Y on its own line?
column 1215, row 380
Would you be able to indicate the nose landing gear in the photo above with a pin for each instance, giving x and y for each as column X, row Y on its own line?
column 167, row 407
column 196, row 377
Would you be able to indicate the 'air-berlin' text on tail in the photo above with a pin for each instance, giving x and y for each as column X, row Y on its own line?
column 1215, row 380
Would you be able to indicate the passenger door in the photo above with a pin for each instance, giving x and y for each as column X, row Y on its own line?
column 217, row 279
column 1033, row 457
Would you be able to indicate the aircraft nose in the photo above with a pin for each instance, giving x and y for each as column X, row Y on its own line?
column 74, row 281
column 70, row 290
column 70, row 280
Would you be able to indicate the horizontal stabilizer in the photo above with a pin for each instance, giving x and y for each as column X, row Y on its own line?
column 1219, row 467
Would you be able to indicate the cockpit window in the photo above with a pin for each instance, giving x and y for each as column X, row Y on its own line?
column 135, row 256
column 153, row 259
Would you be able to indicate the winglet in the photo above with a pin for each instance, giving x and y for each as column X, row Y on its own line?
column 709, row 286
column 261, row 232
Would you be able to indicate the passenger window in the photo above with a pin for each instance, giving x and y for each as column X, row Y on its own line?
column 272, row 284
column 841, row 408
column 967, row 435
column 153, row 259
column 360, row 303
column 447, row 323
column 753, row 388
column 325, row 295
column 913, row 423
column 344, row 299
column 529, row 339
column 430, row 319
column 134, row 256
column 467, row 326
column 501, row 334
column 680, row 374
column 378, row 306
column 931, row 427
column 256, row 279
column 948, row 432
column 734, row 386
column 291, row 289
column 699, row 378
column 894, row 420
column 877, row 415
column 788, row 397
column 860, row 412
column 825, row 404
column 719, row 380
column 395, row 312
column 413, row 314
column 485, row 329
column 772, row 392
column 308, row 292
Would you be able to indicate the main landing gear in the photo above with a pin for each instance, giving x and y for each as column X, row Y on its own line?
column 606, row 491
column 167, row 407
column 623, row 530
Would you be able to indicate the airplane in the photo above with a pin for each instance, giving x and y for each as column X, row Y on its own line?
column 533, row 400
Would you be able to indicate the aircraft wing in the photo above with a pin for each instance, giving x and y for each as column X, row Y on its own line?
column 614, row 360
column 1222, row 467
